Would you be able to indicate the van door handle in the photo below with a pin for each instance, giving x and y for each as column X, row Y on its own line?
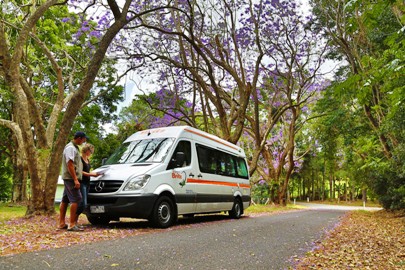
column 200, row 175
column 191, row 175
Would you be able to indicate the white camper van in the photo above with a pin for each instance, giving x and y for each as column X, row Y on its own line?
column 159, row 174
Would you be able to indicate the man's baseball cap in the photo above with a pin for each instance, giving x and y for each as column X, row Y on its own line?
column 80, row 134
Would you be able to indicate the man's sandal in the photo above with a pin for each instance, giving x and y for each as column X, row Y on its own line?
column 63, row 228
column 75, row 229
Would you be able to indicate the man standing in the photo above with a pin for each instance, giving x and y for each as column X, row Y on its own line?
column 72, row 169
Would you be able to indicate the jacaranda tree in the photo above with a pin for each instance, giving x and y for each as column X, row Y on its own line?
column 241, row 64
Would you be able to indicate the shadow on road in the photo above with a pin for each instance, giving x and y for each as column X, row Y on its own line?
column 129, row 223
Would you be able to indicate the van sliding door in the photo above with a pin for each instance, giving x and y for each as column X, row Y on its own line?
column 185, row 195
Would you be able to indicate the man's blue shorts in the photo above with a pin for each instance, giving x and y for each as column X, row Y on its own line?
column 70, row 194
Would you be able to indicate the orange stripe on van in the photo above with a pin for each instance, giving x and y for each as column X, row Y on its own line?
column 219, row 183
column 213, row 139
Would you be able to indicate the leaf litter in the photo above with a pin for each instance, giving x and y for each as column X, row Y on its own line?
column 363, row 240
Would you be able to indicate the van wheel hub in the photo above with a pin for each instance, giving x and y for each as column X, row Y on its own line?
column 164, row 213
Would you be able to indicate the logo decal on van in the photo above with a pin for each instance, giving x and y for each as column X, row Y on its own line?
column 160, row 130
column 176, row 175
column 179, row 176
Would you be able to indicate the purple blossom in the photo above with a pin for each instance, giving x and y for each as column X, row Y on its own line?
column 96, row 34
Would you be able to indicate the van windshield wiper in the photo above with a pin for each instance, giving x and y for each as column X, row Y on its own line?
column 130, row 153
column 143, row 152
column 151, row 153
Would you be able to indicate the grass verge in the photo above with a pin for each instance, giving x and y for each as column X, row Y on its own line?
column 9, row 211
column 263, row 209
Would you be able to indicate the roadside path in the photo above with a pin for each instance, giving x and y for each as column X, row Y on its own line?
column 317, row 206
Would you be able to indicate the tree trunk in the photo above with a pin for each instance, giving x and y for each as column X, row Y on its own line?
column 331, row 191
column 345, row 191
column 352, row 193
column 20, row 175
column 323, row 179
column 313, row 185
column 21, row 106
column 364, row 195
column 19, row 184
column 323, row 189
column 299, row 187
column 338, row 188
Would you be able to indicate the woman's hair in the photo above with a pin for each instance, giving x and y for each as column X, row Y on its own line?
column 87, row 147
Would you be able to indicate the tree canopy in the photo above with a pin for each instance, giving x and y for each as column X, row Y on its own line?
column 251, row 72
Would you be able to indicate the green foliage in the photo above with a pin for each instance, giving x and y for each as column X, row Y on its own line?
column 90, row 120
column 362, row 130
column 260, row 192
column 6, row 183
column 104, row 148
column 55, row 32
column 137, row 116
column 390, row 188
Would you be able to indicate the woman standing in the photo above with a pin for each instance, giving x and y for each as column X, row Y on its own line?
column 87, row 151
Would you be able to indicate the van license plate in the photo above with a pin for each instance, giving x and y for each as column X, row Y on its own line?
column 96, row 209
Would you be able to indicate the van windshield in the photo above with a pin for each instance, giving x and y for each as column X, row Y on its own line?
column 142, row 151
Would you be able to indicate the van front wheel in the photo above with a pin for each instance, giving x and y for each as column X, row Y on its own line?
column 163, row 214
column 237, row 209
column 98, row 221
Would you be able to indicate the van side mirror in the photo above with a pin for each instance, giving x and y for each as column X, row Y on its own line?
column 103, row 161
column 180, row 158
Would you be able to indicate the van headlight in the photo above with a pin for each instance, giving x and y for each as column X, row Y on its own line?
column 137, row 182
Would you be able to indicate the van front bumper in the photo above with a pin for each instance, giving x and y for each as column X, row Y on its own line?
column 115, row 207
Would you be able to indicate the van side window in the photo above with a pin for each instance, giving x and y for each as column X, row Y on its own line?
column 206, row 159
column 182, row 146
column 226, row 165
column 242, row 168
column 218, row 162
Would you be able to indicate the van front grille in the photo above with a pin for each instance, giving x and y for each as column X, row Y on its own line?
column 104, row 186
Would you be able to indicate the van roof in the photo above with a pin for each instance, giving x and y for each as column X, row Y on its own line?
column 177, row 131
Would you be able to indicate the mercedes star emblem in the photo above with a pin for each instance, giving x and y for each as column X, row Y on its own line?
column 99, row 186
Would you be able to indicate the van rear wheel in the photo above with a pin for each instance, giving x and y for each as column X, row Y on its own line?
column 237, row 209
column 163, row 215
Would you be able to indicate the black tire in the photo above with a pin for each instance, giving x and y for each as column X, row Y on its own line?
column 163, row 215
column 237, row 209
column 98, row 221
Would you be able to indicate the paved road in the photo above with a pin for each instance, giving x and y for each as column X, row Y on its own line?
column 263, row 242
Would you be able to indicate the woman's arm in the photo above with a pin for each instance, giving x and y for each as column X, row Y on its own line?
column 94, row 174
